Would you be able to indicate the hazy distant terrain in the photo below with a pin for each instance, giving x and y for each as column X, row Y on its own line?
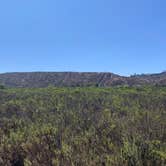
column 68, row 79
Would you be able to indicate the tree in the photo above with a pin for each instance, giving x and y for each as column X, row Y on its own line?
column 2, row 86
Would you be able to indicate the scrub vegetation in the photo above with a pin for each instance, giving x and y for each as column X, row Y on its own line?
column 83, row 126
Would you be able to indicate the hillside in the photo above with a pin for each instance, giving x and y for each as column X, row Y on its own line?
column 68, row 79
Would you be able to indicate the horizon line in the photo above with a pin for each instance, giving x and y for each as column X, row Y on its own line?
column 45, row 71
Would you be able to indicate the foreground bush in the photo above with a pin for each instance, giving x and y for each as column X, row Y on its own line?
column 83, row 127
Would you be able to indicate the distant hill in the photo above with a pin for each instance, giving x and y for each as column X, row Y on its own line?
column 72, row 79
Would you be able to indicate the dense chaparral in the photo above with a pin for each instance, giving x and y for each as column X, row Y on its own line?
column 83, row 126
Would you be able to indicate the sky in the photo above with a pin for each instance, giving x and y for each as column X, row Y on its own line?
column 120, row 36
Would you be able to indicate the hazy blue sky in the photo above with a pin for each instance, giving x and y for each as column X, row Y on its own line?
column 120, row 36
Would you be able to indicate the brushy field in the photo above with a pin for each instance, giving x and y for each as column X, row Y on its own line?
column 120, row 126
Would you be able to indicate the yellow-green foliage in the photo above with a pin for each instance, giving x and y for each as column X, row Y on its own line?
column 118, row 126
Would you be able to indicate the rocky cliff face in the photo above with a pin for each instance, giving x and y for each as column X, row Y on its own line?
column 69, row 79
